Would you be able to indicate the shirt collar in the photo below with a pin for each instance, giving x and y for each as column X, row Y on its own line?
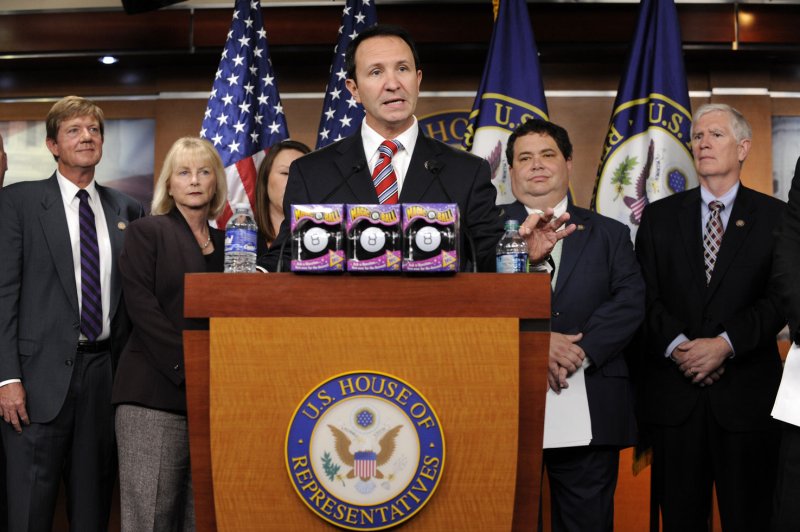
column 559, row 208
column 726, row 199
column 70, row 189
column 371, row 139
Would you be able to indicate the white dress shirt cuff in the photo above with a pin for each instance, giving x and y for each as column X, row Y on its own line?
column 675, row 343
column 727, row 338
column 9, row 381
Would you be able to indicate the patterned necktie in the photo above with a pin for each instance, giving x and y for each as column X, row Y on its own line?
column 383, row 176
column 712, row 238
column 91, row 303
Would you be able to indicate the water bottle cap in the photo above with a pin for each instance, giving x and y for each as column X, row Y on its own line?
column 512, row 225
column 241, row 206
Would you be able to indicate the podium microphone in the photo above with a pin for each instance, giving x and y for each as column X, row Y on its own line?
column 357, row 167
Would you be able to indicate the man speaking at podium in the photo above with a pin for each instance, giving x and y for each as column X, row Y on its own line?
column 597, row 305
column 391, row 161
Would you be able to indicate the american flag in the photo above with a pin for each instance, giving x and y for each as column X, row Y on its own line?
column 341, row 115
column 244, row 116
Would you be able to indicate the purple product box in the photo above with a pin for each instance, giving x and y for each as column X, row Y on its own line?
column 373, row 238
column 317, row 238
column 430, row 237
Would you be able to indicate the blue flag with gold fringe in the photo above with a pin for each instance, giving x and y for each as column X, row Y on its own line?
column 510, row 93
column 647, row 153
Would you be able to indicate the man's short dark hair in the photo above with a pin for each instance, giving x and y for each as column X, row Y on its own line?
column 378, row 30
column 540, row 127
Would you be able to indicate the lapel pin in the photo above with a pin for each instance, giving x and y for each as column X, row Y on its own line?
column 739, row 223
column 121, row 226
column 579, row 227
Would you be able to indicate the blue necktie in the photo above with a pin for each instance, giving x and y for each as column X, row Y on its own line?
column 91, row 302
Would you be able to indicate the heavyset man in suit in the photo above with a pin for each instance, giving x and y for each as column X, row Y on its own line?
column 383, row 75
column 57, row 360
column 597, row 305
column 712, row 367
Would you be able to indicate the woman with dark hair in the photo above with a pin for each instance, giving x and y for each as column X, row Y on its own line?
column 270, row 186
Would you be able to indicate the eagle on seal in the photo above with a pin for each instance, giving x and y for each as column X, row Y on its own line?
column 387, row 446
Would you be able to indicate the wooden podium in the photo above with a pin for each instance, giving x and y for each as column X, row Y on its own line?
column 475, row 345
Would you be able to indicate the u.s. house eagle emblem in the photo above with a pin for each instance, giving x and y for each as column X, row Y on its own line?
column 365, row 451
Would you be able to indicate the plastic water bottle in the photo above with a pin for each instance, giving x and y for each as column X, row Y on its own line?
column 241, row 236
column 512, row 250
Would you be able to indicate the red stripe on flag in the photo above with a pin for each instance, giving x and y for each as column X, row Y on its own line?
column 222, row 219
column 248, row 173
column 247, row 176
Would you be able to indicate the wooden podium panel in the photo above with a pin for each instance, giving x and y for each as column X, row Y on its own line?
column 475, row 345
column 254, row 393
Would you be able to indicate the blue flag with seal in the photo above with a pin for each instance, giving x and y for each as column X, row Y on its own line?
column 647, row 153
column 341, row 115
column 510, row 93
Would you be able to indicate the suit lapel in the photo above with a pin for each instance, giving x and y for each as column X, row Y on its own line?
column 56, row 232
column 515, row 211
column 418, row 178
column 691, row 232
column 354, row 168
column 116, row 232
column 187, row 254
column 739, row 225
column 572, row 247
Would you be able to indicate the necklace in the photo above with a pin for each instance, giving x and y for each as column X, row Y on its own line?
column 208, row 242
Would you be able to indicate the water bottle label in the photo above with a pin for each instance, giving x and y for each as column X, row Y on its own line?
column 512, row 263
column 238, row 240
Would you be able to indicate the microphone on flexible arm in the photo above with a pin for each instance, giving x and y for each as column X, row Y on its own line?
column 435, row 168
column 357, row 167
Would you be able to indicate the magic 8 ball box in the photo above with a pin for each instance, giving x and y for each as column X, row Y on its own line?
column 430, row 237
column 373, row 238
column 317, row 238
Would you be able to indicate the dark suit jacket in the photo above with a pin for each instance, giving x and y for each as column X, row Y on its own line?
column 158, row 251
column 740, row 301
column 437, row 173
column 40, row 322
column 599, row 292
column 786, row 270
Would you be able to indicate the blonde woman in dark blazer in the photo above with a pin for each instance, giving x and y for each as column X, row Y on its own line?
column 149, row 388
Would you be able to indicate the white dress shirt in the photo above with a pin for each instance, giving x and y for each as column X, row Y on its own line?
column 371, row 140
column 71, row 205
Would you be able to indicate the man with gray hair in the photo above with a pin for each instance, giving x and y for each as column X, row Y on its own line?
column 712, row 367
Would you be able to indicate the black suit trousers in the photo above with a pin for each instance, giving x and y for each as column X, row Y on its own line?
column 78, row 446
column 582, row 485
column 691, row 458
column 786, row 510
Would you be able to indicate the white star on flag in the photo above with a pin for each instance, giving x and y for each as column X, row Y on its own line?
column 340, row 119
column 235, row 122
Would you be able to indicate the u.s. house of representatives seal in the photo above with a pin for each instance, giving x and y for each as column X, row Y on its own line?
column 365, row 450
